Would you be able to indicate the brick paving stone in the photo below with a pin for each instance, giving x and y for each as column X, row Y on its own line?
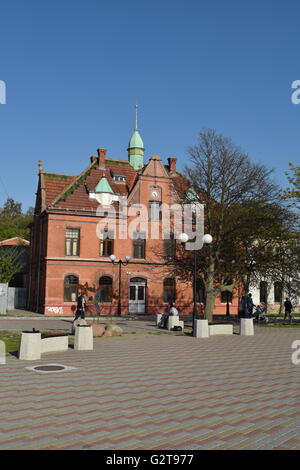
column 126, row 394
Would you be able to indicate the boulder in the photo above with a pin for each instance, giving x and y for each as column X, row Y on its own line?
column 98, row 330
column 108, row 333
column 115, row 330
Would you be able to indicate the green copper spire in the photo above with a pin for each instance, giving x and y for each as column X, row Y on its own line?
column 103, row 186
column 136, row 146
column 136, row 117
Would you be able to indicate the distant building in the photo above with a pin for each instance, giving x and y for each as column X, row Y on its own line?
column 273, row 294
column 20, row 279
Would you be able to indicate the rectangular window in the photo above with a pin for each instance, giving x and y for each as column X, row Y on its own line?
column 107, row 243
column 139, row 245
column 132, row 293
column 169, row 290
column 278, row 292
column 154, row 210
column 226, row 296
column 70, row 288
column 170, row 248
column 106, row 247
column 263, row 291
column 72, row 241
column 119, row 179
column 141, row 292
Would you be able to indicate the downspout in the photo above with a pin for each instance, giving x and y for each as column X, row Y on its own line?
column 43, row 207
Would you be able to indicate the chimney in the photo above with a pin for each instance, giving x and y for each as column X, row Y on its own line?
column 172, row 164
column 40, row 166
column 101, row 156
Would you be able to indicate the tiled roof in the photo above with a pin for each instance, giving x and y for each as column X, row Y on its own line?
column 72, row 192
column 14, row 241
column 55, row 184
column 76, row 197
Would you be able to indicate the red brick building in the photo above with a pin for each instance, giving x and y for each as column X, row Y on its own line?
column 71, row 243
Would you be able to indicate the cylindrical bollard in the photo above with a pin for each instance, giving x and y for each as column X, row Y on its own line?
column 30, row 347
column 201, row 329
column 83, row 338
column 246, row 327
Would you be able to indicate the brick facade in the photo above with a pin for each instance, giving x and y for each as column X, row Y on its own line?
column 65, row 246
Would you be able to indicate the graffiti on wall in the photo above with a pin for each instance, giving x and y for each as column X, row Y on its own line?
column 56, row 310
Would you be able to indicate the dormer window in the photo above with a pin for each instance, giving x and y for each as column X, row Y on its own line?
column 119, row 179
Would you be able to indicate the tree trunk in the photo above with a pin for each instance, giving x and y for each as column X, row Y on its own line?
column 210, row 292
column 209, row 306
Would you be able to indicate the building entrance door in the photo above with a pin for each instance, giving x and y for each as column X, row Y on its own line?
column 137, row 295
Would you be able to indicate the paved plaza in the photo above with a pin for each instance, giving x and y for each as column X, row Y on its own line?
column 156, row 391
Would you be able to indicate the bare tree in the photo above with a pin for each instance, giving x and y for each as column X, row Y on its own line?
column 235, row 193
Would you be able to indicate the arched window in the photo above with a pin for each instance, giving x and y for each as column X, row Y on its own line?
column 278, row 291
column 169, row 292
column 105, row 289
column 263, row 291
column 70, row 288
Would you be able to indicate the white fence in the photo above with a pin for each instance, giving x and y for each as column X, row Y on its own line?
column 16, row 298
column 11, row 298
column 3, row 298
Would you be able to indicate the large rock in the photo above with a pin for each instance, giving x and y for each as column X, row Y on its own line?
column 98, row 330
column 108, row 333
column 115, row 330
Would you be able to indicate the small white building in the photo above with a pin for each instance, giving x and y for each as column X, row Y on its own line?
column 273, row 294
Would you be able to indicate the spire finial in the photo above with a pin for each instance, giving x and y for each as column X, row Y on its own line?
column 136, row 117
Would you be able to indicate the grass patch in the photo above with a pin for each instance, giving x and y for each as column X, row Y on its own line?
column 275, row 315
column 280, row 325
column 11, row 340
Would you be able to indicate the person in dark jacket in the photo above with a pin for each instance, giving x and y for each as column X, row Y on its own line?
column 287, row 308
column 249, row 305
column 81, row 306
column 242, row 307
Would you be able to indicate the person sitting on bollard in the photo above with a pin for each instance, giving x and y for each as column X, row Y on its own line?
column 81, row 306
column 172, row 311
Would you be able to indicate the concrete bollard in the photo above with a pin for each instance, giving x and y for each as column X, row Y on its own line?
column 30, row 347
column 174, row 321
column 83, row 338
column 201, row 329
column 246, row 327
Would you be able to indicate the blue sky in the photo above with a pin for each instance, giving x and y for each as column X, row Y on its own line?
column 74, row 70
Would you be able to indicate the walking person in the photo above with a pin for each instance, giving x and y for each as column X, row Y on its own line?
column 288, row 309
column 81, row 306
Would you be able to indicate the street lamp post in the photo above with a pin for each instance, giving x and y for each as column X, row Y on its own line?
column 227, row 291
column 120, row 263
column 207, row 239
column 227, row 304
